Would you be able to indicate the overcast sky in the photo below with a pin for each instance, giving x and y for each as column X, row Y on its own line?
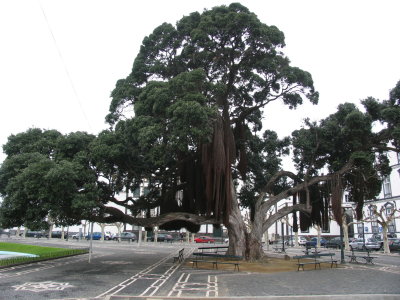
column 59, row 60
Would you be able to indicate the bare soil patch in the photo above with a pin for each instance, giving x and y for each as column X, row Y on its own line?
column 265, row 265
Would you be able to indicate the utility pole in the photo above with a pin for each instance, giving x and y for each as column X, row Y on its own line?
column 341, row 245
column 90, row 244
column 283, row 236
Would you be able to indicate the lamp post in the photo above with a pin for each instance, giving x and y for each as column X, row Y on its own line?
column 291, row 236
column 283, row 236
column 341, row 245
column 363, row 235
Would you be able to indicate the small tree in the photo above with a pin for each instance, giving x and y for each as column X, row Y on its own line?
column 384, row 217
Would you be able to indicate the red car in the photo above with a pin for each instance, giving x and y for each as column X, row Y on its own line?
column 204, row 239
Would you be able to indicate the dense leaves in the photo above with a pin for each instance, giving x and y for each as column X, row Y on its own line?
column 198, row 90
column 46, row 178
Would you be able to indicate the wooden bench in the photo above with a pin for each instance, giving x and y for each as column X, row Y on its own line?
column 368, row 258
column 314, row 260
column 216, row 260
column 279, row 250
column 332, row 261
column 179, row 258
column 217, row 249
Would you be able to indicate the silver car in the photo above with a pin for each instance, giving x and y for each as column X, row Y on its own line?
column 370, row 244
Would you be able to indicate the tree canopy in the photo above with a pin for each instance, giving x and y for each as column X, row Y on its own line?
column 198, row 91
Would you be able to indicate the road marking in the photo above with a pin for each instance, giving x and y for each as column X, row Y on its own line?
column 184, row 286
column 42, row 286
column 42, row 266
column 159, row 279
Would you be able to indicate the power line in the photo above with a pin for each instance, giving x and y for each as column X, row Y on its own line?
column 65, row 66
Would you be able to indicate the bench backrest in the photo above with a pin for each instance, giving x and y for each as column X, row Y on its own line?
column 305, row 256
column 218, row 247
column 217, row 255
column 313, row 255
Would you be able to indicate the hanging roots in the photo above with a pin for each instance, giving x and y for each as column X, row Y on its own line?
column 336, row 198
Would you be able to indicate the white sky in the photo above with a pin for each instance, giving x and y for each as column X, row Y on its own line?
column 352, row 49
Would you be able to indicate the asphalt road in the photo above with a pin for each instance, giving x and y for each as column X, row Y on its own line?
column 122, row 270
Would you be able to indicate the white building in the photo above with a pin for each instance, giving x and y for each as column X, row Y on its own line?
column 389, row 198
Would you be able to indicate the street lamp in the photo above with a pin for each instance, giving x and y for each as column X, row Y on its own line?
column 341, row 245
column 283, row 236
column 363, row 234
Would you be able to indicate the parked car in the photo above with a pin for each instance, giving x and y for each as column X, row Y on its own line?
column 76, row 236
column 96, row 236
column 36, row 234
column 58, row 234
column 204, row 239
column 378, row 238
column 313, row 242
column 108, row 235
column 301, row 240
column 334, row 243
column 370, row 244
column 162, row 237
column 394, row 244
column 125, row 236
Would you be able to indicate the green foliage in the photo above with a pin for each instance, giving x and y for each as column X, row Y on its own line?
column 349, row 135
column 222, row 65
column 46, row 176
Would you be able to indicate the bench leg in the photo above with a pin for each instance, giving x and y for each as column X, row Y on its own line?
column 300, row 265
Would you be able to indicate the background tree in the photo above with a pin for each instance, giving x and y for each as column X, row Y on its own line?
column 384, row 217
column 46, row 178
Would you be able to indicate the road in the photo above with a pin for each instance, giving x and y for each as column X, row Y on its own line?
column 119, row 270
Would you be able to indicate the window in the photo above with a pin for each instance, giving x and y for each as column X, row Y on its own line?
column 387, row 189
column 346, row 198
column 326, row 229
column 136, row 193
column 374, row 223
column 389, row 208
column 360, row 229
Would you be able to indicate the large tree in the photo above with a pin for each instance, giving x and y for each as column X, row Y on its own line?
column 198, row 92
column 199, row 89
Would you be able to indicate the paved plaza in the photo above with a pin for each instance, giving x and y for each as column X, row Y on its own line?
column 120, row 271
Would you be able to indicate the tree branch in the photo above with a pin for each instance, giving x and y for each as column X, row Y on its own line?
column 283, row 212
column 301, row 186
column 112, row 215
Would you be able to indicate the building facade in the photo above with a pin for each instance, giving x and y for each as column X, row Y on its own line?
column 387, row 202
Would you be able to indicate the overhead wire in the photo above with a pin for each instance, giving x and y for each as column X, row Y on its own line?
column 71, row 82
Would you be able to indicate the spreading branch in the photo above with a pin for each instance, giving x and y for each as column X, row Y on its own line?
column 112, row 215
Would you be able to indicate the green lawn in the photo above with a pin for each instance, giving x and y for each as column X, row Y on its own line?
column 43, row 253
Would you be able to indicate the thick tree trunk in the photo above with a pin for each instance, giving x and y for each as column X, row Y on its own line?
column 386, row 248
column 236, row 233
column 241, row 242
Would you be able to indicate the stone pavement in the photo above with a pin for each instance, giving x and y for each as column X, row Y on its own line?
column 129, row 271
